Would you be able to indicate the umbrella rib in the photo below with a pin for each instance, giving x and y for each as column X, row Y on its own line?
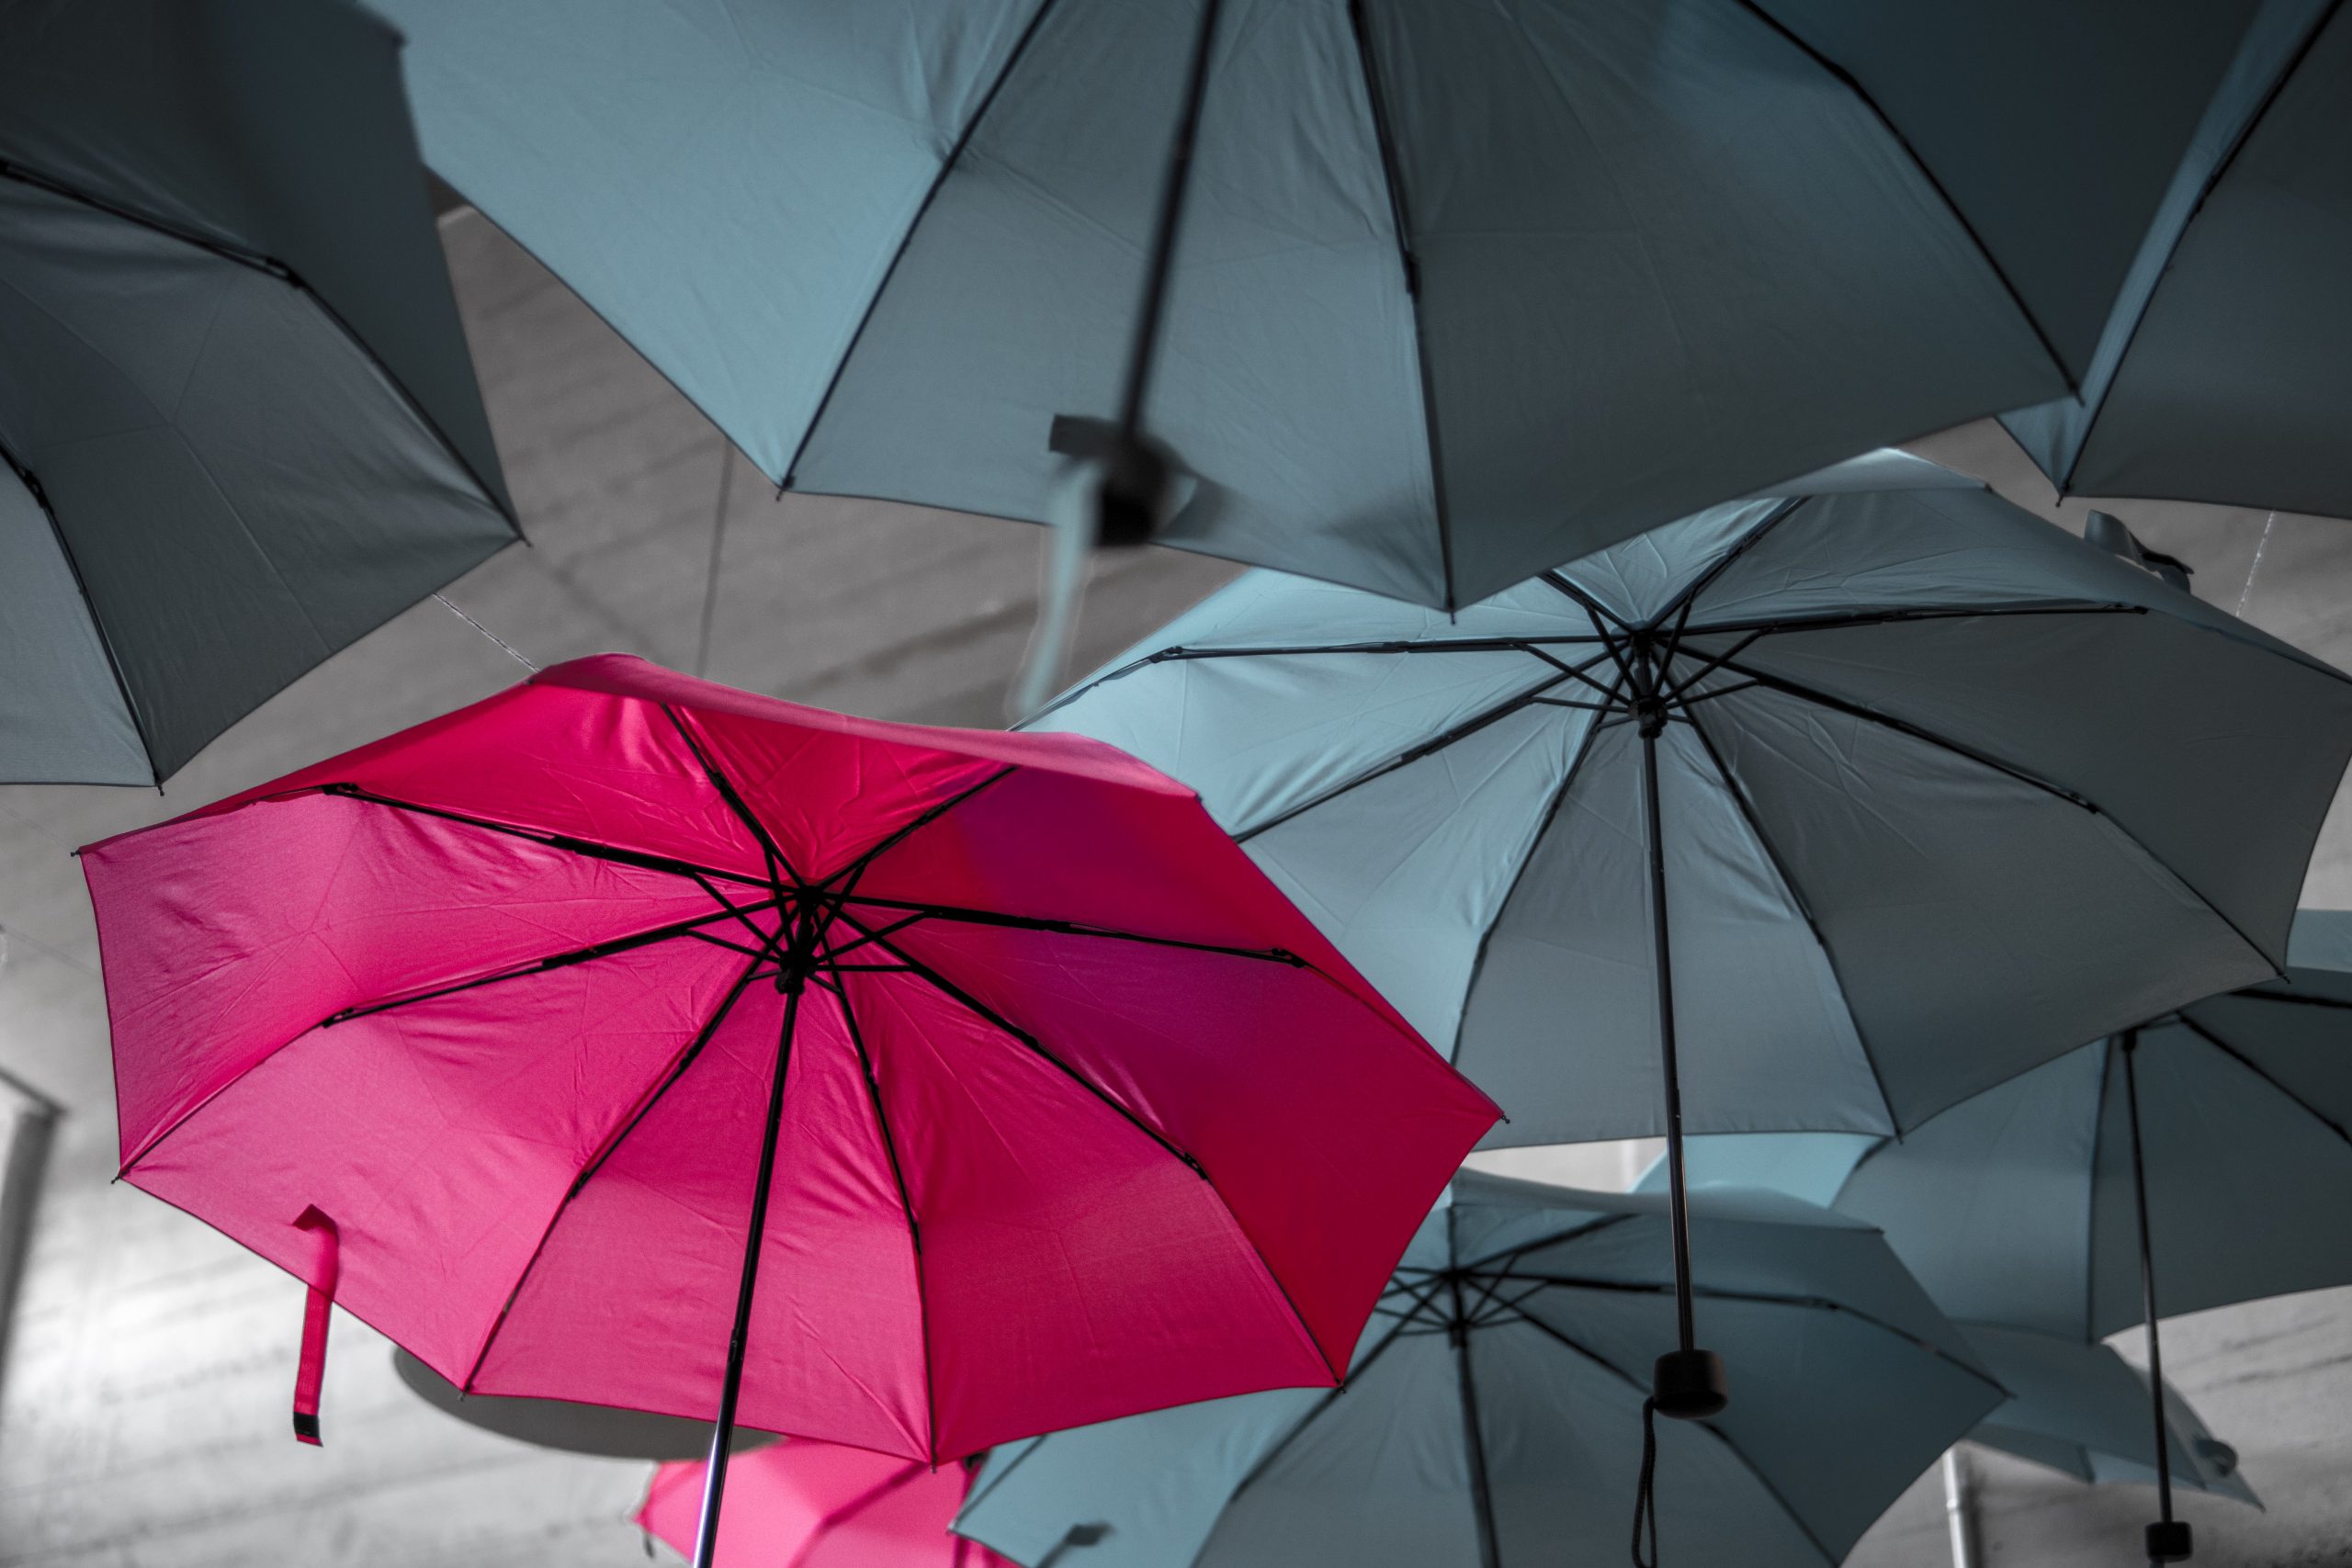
column 964, row 916
column 596, row 1162
column 1780, row 867
column 2255, row 994
column 587, row 849
column 1583, row 599
column 1907, row 616
column 2241, row 1059
column 719, row 780
column 1722, row 563
column 857, row 868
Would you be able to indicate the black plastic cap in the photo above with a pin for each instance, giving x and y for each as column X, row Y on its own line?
column 306, row 1427
column 2168, row 1542
column 1689, row 1384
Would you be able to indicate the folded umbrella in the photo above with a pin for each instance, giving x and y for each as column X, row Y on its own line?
column 1819, row 813
column 1490, row 1416
column 1458, row 291
column 237, row 427
column 1064, row 1111
column 2220, row 375
column 807, row 1505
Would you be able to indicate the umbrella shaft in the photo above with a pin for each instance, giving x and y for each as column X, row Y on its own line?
column 722, row 1434
column 1662, row 953
column 2148, row 1280
column 1161, row 258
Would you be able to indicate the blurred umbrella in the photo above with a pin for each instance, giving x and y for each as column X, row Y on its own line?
column 1067, row 1113
column 1818, row 813
column 2197, row 1161
column 1492, row 1412
column 805, row 1505
column 238, row 428
column 1460, row 292
column 605, row 1430
column 2219, row 376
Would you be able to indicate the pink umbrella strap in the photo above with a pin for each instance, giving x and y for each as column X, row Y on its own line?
column 311, row 1371
column 835, row 1517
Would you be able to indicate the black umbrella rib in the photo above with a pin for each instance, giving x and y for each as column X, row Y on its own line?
column 89, row 606
column 848, row 874
column 596, row 1162
column 587, row 849
column 719, row 780
column 1003, row 1025
column 962, row 916
column 2248, row 1063
column 2253, row 994
column 1889, row 618
column 606, row 949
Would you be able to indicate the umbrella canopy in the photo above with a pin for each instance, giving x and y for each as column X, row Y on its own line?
column 237, row 427
column 2220, row 375
column 1068, row 1112
column 805, row 1505
column 898, row 250
column 1492, row 1416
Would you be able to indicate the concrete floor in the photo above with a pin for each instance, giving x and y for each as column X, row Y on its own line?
column 144, row 1390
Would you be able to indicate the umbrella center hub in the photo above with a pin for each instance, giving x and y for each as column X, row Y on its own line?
column 1649, row 715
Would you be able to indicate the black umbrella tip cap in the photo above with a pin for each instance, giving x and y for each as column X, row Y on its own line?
column 2169, row 1541
column 1689, row 1385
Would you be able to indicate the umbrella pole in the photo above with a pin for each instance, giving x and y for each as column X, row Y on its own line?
column 2168, row 1539
column 1687, row 1383
column 722, row 1436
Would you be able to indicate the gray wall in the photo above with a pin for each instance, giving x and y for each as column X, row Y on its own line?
column 144, row 1401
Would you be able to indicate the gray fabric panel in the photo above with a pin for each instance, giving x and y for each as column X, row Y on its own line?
column 62, row 717
column 2046, row 183
column 1560, row 1026
column 1989, row 1204
column 2038, row 1447
column 244, row 490
column 1604, row 302
column 2320, row 949
column 1811, row 1165
column 1980, row 924
column 1290, row 381
column 279, row 124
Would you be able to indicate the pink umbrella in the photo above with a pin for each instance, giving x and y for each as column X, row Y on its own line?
column 805, row 1505
column 505, row 1029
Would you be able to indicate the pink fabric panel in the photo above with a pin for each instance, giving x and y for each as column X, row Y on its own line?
column 225, row 937
column 598, row 767
column 633, row 1297
column 440, row 1137
column 1074, row 1269
column 1327, row 1133
column 1055, row 847
column 827, row 796
column 809, row 1504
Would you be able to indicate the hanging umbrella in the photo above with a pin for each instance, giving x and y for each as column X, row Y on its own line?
column 1490, row 1412
column 2219, row 375
column 238, row 428
column 505, row 1029
column 803, row 1505
column 1457, row 292
column 1818, row 813
column 2194, row 1161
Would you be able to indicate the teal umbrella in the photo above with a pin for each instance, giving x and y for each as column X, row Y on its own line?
column 1818, row 813
column 2199, row 1159
column 2220, row 374
column 1459, row 292
column 237, row 427
column 1491, row 1415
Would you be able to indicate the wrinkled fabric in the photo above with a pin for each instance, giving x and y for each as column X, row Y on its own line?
column 1945, row 793
column 238, row 426
column 1462, row 291
column 807, row 1504
column 1080, row 1117
column 1851, row 1383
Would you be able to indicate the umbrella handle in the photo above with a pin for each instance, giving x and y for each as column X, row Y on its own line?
column 310, row 1368
column 2167, row 1539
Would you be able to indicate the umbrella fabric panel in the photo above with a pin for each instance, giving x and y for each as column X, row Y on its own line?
column 199, row 434
column 809, row 1504
column 440, row 1191
column 62, row 706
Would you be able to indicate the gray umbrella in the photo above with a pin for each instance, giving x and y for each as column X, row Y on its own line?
column 237, row 427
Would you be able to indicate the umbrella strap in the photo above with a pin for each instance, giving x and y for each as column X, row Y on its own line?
column 309, row 1371
column 1646, row 1494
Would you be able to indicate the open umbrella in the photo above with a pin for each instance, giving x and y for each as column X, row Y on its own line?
column 1458, row 292
column 1492, row 1409
column 2195, row 1160
column 237, row 427
column 807, row 1504
column 1817, row 813
column 506, row 1029
column 2219, row 375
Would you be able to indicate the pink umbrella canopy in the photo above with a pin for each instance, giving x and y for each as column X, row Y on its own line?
column 503, row 1027
column 805, row 1505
